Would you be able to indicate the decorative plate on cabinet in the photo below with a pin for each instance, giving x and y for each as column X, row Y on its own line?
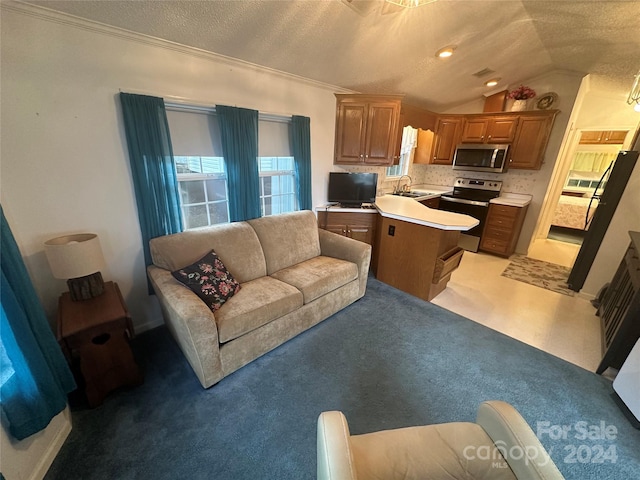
column 546, row 101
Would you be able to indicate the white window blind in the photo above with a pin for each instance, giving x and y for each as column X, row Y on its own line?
column 194, row 133
column 273, row 138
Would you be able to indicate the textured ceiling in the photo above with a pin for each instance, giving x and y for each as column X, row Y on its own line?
column 376, row 47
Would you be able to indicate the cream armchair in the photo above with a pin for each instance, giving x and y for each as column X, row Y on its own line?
column 499, row 446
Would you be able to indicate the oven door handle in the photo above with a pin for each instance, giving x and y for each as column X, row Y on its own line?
column 464, row 200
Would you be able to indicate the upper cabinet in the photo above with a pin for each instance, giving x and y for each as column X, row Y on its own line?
column 603, row 137
column 367, row 129
column 489, row 129
column 447, row 136
column 526, row 132
column 528, row 148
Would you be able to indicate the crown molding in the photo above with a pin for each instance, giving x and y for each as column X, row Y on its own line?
column 49, row 15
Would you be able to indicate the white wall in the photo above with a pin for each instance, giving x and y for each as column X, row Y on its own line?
column 64, row 164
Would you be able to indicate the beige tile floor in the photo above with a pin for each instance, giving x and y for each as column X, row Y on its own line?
column 564, row 326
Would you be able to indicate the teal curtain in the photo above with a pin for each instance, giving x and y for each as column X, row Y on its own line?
column 301, row 146
column 152, row 166
column 239, row 135
column 35, row 377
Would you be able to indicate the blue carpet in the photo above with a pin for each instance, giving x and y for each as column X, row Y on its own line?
column 389, row 360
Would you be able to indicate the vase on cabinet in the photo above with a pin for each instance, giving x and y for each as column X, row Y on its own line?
column 519, row 105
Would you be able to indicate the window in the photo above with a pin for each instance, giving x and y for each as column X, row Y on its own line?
column 409, row 136
column 202, row 182
column 202, row 179
column 277, row 185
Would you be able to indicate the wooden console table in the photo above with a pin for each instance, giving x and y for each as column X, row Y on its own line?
column 620, row 309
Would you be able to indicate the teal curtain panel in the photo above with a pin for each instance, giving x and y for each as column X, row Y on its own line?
column 35, row 378
column 152, row 167
column 301, row 146
column 239, row 133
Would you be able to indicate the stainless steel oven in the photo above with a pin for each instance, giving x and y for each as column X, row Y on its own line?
column 471, row 197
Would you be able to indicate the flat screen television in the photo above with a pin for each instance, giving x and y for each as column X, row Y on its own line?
column 352, row 189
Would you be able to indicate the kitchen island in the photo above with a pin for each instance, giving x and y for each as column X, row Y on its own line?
column 416, row 247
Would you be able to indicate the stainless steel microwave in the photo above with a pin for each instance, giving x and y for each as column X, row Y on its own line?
column 481, row 157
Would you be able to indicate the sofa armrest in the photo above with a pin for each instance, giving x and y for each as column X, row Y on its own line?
column 517, row 442
column 191, row 323
column 337, row 246
column 335, row 461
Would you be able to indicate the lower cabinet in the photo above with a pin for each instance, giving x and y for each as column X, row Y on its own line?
column 431, row 202
column 502, row 229
column 356, row 225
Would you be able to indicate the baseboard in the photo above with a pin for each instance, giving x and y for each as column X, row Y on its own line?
column 52, row 451
column 151, row 324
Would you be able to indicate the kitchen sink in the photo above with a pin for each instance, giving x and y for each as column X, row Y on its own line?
column 409, row 194
column 415, row 194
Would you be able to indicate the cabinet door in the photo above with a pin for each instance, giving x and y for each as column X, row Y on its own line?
column 501, row 129
column 422, row 154
column 351, row 120
column 361, row 233
column 382, row 131
column 528, row 149
column 474, row 130
column 447, row 135
column 591, row 137
column 614, row 137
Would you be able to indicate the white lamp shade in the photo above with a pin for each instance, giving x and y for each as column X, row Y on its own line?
column 74, row 256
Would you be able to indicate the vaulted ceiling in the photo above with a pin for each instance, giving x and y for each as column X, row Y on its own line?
column 375, row 47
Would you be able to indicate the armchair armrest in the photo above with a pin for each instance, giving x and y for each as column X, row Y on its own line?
column 335, row 461
column 337, row 246
column 191, row 323
column 517, row 442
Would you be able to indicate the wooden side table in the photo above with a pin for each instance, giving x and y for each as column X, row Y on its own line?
column 96, row 334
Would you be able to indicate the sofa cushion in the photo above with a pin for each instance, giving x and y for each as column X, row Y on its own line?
column 287, row 239
column 209, row 279
column 318, row 276
column 259, row 302
column 236, row 243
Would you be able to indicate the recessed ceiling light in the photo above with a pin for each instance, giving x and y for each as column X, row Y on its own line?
column 493, row 82
column 637, row 107
column 446, row 51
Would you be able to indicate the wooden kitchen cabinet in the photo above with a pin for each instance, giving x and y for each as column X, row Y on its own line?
column 367, row 129
column 603, row 137
column 489, row 129
column 502, row 229
column 356, row 225
column 446, row 137
column 528, row 148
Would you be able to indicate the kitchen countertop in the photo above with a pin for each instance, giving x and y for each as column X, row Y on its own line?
column 512, row 199
column 409, row 210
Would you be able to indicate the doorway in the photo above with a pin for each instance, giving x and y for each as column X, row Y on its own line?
column 590, row 162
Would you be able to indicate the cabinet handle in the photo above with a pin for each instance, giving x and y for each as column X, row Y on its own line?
column 489, row 137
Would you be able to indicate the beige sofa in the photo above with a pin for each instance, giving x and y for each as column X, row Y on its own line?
column 292, row 276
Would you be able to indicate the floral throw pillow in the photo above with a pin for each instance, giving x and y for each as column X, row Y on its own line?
column 210, row 280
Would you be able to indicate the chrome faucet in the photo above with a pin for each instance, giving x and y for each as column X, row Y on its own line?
column 404, row 188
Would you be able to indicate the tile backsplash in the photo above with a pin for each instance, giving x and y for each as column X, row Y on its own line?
column 513, row 181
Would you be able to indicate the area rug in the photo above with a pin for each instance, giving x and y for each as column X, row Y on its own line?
column 389, row 360
column 539, row 273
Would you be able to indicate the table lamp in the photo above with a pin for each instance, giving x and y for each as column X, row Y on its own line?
column 78, row 259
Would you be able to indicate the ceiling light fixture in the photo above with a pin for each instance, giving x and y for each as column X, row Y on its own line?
column 493, row 82
column 410, row 3
column 445, row 52
column 634, row 94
